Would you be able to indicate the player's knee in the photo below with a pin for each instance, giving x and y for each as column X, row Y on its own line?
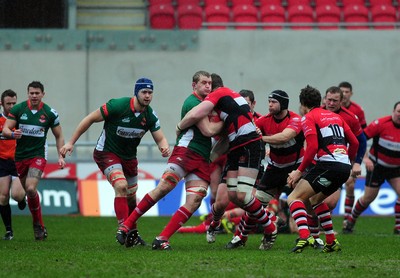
column 232, row 184
column 118, row 182
column 131, row 191
column 169, row 181
column 264, row 197
column 3, row 199
column 198, row 191
column 245, row 185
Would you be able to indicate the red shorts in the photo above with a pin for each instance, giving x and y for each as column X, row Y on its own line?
column 107, row 159
column 191, row 162
column 219, row 162
column 24, row 165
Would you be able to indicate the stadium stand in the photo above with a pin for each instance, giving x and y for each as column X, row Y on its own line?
column 272, row 14
column 291, row 3
column 318, row 3
column 189, row 16
column 357, row 16
column 381, row 2
column 383, row 14
column 245, row 14
column 263, row 3
column 327, row 14
column 207, row 3
column 235, row 3
column 346, row 3
column 216, row 14
column 302, row 15
column 162, row 16
column 187, row 2
column 110, row 15
column 159, row 2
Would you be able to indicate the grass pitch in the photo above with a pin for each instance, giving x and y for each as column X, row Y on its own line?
column 85, row 247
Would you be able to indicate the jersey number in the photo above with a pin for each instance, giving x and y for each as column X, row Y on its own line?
column 337, row 133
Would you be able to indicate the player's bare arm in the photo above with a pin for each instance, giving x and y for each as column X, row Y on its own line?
column 161, row 142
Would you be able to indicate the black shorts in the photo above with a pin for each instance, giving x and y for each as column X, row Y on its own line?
column 327, row 177
column 8, row 168
column 381, row 173
column 247, row 156
column 275, row 177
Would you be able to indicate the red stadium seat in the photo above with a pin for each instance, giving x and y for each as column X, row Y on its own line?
column 325, row 2
column 162, row 17
column 300, row 14
column 189, row 16
column 270, row 2
column 298, row 2
column 356, row 15
column 217, row 14
column 380, row 2
column 327, row 14
column 383, row 14
column 245, row 14
column 272, row 14
column 241, row 2
column 187, row 2
column 215, row 2
column 159, row 2
column 346, row 3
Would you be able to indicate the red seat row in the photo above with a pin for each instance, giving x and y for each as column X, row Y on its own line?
column 272, row 17
column 233, row 3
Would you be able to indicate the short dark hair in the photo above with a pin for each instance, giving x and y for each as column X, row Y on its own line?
column 196, row 76
column 216, row 81
column 310, row 97
column 36, row 84
column 334, row 90
column 346, row 84
column 395, row 105
column 7, row 93
column 247, row 93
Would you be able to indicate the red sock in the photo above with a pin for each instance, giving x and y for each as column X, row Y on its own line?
column 231, row 206
column 313, row 225
column 348, row 206
column 178, row 219
column 121, row 208
column 299, row 214
column 144, row 205
column 199, row 229
column 208, row 220
column 397, row 214
column 236, row 220
column 324, row 217
column 36, row 209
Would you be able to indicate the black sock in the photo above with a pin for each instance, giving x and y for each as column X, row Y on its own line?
column 5, row 212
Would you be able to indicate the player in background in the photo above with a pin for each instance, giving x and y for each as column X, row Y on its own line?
column 382, row 163
column 8, row 172
column 356, row 109
column 347, row 90
column 29, row 123
column 333, row 102
column 251, row 101
column 329, row 159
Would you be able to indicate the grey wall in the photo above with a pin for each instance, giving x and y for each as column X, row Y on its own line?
column 77, row 82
